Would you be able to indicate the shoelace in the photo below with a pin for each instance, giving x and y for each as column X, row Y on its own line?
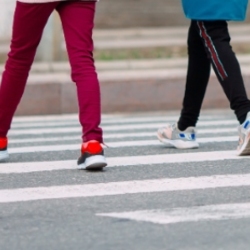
column 173, row 126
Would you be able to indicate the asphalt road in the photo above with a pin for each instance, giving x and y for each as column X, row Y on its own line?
column 150, row 197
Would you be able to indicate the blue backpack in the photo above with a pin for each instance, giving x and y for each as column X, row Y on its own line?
column 234, row 10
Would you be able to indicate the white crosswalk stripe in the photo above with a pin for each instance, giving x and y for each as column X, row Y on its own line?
column 124, row 161
column 77, row 129
column 60, row 135
column 120, row 188
column 112, row 145
column 177, row 215
column 127, row 135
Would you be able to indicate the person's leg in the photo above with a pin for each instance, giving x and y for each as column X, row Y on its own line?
column 197, row 79
column 78, row 22
column 28, row 25
column 183, row 135
column 216, row 39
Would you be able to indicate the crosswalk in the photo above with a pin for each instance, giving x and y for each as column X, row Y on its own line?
column 49, row 145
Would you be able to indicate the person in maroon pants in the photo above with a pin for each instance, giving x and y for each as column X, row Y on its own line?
column 77, row 18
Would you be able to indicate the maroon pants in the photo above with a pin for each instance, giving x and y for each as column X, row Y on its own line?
column 77, row 21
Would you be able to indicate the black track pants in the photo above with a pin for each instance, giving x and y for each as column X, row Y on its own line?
column 209, row 43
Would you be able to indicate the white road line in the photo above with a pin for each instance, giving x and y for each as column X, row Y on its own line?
column 75, row 122
column 107, row 117
column 65, row 147
column 187, row 214
column 163, row 159
column 44, row 131
column 45, row 139
column 77, row 129
column 114, row 135
column 126, row 187
column 156, row 142
column 118, row 120
column 44, row 124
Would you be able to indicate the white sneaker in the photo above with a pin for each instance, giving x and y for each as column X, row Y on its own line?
column 244, row 137
column 172, row 136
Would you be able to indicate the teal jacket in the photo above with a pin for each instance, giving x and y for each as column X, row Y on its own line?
column 234, row 10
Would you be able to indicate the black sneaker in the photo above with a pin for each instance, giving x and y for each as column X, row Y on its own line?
column 3, row 149
column 92, row 156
